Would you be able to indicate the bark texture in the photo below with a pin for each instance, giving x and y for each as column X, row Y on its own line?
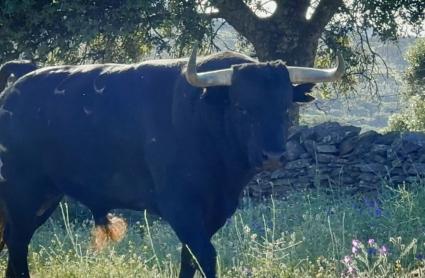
column 286, row 35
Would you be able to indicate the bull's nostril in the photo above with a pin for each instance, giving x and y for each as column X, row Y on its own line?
column 275, row 156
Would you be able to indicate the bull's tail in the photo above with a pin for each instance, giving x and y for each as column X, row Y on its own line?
column 2, row 226
column 108, row 228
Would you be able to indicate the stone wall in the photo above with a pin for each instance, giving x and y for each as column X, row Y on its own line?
column 333, row 155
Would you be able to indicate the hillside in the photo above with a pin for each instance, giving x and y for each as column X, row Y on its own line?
column 361, row 108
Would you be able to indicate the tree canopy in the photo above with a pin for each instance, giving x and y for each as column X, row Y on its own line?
column 125, row 30
column 295, row 31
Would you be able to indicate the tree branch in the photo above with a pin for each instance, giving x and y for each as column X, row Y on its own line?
column 290, row 10
column 323, row 14
column 214, row 15
column 239, row 15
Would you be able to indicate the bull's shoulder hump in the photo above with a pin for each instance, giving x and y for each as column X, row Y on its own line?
column 163, row 63
column 229, row 55
column 223, row 60
column 224, row 56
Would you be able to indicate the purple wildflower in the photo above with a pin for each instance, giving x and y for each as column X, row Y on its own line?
column 378, row 212
column 348, row 260
column 356, row 243
column 383, row 251
column 351, row 270
column 373, row 207
column 371, row 242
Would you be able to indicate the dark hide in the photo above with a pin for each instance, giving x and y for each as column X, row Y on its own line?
column 300, row 93
column 138, row 137
column 17, row 67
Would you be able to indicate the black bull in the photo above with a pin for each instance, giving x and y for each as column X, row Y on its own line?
column 139, row 137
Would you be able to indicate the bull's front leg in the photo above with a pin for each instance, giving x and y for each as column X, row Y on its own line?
column 198, row 256
column 187, row 264
column 198, row 253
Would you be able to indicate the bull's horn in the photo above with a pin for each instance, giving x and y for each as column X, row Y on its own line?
column 311, row 75
column 206, row 79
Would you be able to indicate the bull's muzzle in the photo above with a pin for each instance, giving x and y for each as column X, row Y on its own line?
column 272, row 160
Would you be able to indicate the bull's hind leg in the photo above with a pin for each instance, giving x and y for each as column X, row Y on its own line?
column 17, row 245
column 27, row 206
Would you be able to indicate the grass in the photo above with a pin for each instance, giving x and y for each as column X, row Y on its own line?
column 315, row 233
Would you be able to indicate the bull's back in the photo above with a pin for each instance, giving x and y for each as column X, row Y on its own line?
column 85, row 125
column 67, row 102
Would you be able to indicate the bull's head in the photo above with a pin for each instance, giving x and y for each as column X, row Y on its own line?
column 260, row 96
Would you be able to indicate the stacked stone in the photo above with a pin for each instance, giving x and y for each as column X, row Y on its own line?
column 333, row 155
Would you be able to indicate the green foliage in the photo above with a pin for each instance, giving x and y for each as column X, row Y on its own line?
column 75, row 31
column 413, row 116
column 96, row 31
column 415, row 73
column 387, row 18
column 59, row 31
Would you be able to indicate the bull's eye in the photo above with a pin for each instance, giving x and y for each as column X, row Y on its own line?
column 241, row 110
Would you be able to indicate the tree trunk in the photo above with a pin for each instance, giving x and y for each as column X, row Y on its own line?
column 286, row 35
column 293, row 47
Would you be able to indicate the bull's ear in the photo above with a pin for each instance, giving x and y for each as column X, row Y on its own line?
column 301, row 92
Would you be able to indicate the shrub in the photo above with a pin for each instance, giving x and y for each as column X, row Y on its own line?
column 413, row 116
